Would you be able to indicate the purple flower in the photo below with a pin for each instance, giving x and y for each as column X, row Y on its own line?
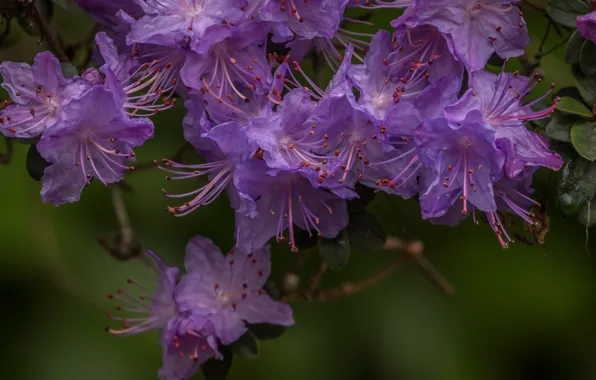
column 586, row 26
column 233, row 61
column 309, row 19
column 397, row 167
column 477, row 30
column 284, row 200
column 463, row 159
column 228, row 291
column 500, row 98
column 226, row 148
column 40, row 94
column 93, row 138
column 166, row 22
column 105, row 12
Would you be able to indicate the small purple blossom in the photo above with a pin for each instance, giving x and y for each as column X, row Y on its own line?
column 40, row 94
column 586, row 26
column 93, row 139
column 476, row 29
column 228, row 291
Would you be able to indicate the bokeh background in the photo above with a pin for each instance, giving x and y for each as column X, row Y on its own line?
column 521, row 313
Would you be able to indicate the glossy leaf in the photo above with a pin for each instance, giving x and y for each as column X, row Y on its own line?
column 574, row 107
column 365, row 231
column 266, row 331
column 566, row 11
column 559, row 126
column 246, row 346
column 35, row 163
column 573, row 47
column 335, row 252
column 214, row 369
column 587, row 58
column 577, row 185
column 583, row 138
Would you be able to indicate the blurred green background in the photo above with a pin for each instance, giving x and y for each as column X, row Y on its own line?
column 521, row 313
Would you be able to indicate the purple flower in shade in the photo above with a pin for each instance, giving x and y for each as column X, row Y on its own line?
column 586, row 26
column 500, row 98
column 166, row 22
column 476, row 29
column 226, row 149
column 512, row 196
column 40, row 94
column 105, row 12
column 396, row 167
column 236, row 60
column 308, row 19
column 93, row 138
column 399, row 68
column 463, row 160
column 284, row 200
column 228, row 291
column 137, row 87
column 186, row 344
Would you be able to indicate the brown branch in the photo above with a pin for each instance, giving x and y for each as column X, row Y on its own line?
column 45, row 30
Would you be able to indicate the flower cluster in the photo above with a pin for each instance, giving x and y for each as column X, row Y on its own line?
column 210, row 304
column 397, row 116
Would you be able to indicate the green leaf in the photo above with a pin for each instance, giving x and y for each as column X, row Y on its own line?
column 246, row 346
column 577, row 185
column 335, row 252
column 559, row 126
column 587, row 58
column 587, row 216
column 69, row 5
column 68, row 69
column 574, row 107
column 214, row 369
column 266, row 331
column 586, row 86
column 566, row 11
column 583, row 138
column 367, row 195
column 573, row 47
column 365, row 231
column 35, row 163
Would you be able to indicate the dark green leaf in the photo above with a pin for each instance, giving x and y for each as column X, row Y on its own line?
column 367, row 195
column 587, row 58
column 559, row 126
column 246, row 346
column 214, row 369
column 69, row 5
column 573, row 47
column 365, row 231
column 566, row 11
column 68, row 69
column 265, row 331
column 574, row 107
column 304, row 240
column 586, row 86
column 28, row 141
column 335, row 252
column 272, row 290
column 583, row 138
column 35, row 163
column 587, row 216
column 577, row 185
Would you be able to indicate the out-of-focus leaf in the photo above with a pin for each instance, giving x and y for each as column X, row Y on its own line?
column 265, row 331
column 335, row 252
column 272, row 290
column 69, row 5
column 35, row 163
column 574, row 107
column 566, row 11
column 214, row 369
column 587, row 58
column 583, row 138
column 27, row 18
column 573, row 47
column 68, row 69
column 246, row 346
column 367, row 195
column 577, row 185
column 587, row 216
column 365, row 231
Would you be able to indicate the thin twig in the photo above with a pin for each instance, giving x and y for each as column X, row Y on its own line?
column 45, row 30
column 6, row 157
